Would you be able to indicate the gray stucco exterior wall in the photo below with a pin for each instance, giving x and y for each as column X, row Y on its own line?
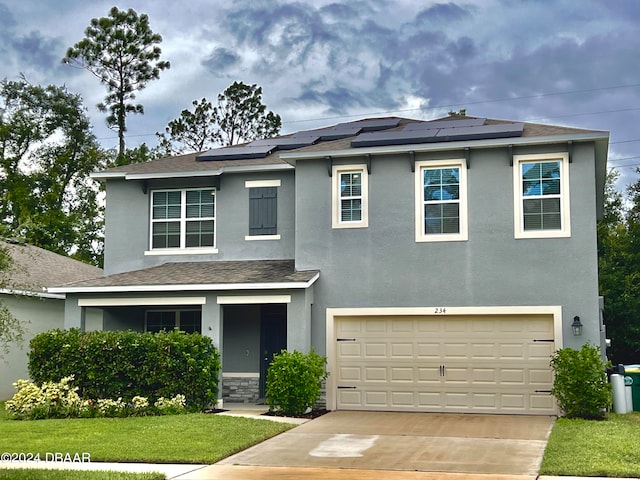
column 127, row 222
column 383, row 266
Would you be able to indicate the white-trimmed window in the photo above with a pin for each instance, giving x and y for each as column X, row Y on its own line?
column 441, row 201
column 183, row 219
column 189, row 321
column 541, row 188
column 350, row 193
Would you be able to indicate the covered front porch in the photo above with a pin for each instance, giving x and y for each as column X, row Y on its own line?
column 251, row 310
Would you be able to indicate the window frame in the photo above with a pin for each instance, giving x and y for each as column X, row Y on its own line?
column 463, row 234
column 336, row 208
column 182, row 221
column 518, row 197
column 177, row 313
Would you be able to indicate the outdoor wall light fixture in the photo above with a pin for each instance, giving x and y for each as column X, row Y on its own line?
column 576, row 326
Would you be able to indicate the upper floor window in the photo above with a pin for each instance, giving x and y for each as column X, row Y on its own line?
column 350, row 196
column 183, row 218
column 541, row 186
column 441, row 204
column 263, row 209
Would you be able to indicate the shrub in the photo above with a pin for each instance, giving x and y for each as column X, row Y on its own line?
column 51, row 400
column 60, row 400
column 580, row 383
column 170, row 406
column 126, row 364
column 294, row 381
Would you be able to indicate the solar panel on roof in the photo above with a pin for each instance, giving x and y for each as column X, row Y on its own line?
column 407, row 137
column 466, row 122
column 373, row 139
column 236, row 153
column 373, row 124
column 481, row 132
column 333, row 133
column 287, row 143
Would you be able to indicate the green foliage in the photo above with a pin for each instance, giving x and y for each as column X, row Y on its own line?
column 36, row 474
column 50, row 400
column 122, row 51
column 240, row 116
column 190, row 438
column 580, row 384
column 619, row 269
column 294, row 381
column 127, row 364
column 48, row 151
column 582, row 448
column 11, row 330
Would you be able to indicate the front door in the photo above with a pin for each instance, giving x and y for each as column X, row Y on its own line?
column 273, row 338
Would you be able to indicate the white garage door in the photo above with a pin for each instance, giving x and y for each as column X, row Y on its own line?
column 483, row 364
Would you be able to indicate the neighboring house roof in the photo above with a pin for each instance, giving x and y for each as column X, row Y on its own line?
column 182, row 276
column 322, row 142
column 34, row 268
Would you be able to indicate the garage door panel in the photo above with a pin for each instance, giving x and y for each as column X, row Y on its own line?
column 540, row 377
column 349, row 374
column 446, row 363
column 542, row 351
column 455, row 350
column 376, row 399
column 350, row 399
column 428, row 351
column 375, row 350
column 402, row 350
column 349, row 349
column 513, row 376
column 429, row 374
column 376, row 374
column 401, row 326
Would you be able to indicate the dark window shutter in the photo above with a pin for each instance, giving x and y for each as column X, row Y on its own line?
column 263, row 211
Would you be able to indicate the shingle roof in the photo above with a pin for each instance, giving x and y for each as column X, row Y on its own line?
column 189, row 164
column 204, row 273
column 34, row 268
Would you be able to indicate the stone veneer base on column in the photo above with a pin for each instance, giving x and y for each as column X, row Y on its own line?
column 240, row 389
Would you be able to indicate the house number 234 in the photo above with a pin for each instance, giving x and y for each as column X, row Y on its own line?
column 440, row 310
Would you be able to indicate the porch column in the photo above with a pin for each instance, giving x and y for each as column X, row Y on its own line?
column 211, row 321
column 299, row 320
column 74, row 315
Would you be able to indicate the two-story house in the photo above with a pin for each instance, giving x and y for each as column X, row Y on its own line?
column 436, row 264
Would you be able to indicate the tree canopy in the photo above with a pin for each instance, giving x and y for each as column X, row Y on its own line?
column 239, row 116
column 619, row 265
column 47, row 151
column 123, row 52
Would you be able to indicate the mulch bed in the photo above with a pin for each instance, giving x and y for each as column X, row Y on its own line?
column 310, row 415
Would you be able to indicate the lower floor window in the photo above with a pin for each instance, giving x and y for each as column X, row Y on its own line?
column 189, row 321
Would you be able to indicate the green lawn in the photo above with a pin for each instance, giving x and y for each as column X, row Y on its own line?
column 191, row 438
column 608, row 448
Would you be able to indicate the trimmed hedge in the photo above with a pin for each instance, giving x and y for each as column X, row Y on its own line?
column 126, row 364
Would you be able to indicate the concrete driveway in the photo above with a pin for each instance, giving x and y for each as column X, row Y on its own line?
column 371, row 445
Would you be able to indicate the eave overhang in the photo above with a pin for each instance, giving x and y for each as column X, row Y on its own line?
column 102, row 176
column 184, row 287
column 595, row 136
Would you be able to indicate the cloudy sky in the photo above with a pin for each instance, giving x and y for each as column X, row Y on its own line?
column 322, row 62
